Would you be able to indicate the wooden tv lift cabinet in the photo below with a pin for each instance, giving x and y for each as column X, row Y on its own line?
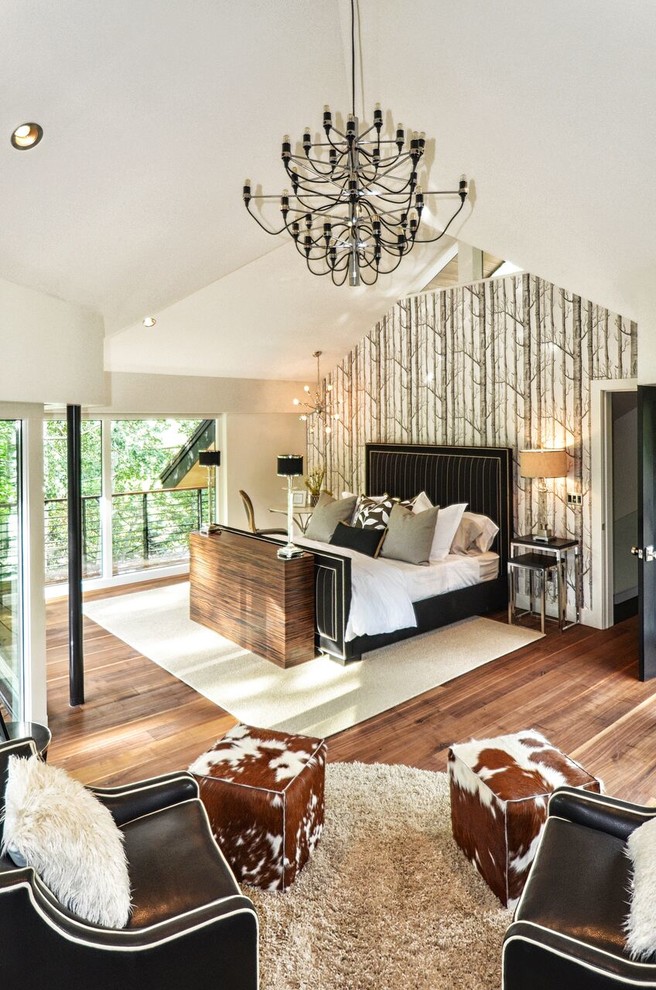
column 240, row 588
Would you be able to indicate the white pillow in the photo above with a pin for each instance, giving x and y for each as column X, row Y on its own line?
column 475, row 532
column 421, row 502
column 448, row 520
column 640, row 926
column 60, row 829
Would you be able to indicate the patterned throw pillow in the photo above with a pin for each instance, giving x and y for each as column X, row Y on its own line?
column 373, row 513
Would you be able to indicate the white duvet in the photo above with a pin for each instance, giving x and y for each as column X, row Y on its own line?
column 382, row 590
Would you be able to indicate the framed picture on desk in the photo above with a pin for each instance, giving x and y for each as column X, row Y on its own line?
column 298, row 498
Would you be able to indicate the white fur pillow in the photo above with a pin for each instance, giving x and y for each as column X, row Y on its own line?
column 640, row 925
column 60, row 829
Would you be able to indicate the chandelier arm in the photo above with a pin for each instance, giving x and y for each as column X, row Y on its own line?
column 260, row 222
column 319, row 209
column 314, row 163
column 431, row 240
column 307, row 184
column 342, row 271
column 389, row 175
column 337, row 145
column 383, row 191
column 309, row 169
column 394, row 161
column 364, row 133
column 394, row 211
column 309, row 172
column 388, row 271
column 446, row 192
column 366, row 281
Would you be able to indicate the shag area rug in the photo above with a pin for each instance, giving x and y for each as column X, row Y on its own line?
column 388, row 901
column 317, row 698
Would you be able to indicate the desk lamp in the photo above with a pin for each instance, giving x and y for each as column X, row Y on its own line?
column 210, row 459
column 543, row 464
column 290, row 466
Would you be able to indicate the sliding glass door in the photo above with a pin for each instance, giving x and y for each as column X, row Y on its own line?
column 11, row 587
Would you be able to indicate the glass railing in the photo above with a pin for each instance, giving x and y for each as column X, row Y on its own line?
column 149, row 529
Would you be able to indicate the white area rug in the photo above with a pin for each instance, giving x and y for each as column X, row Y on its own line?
column 320, row 697
column 388, row 901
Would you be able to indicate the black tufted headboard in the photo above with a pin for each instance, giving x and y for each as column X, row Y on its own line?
column 480, row 476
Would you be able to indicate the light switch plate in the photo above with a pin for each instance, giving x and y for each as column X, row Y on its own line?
column 573, row 498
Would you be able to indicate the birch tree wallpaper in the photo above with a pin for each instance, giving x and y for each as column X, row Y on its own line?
column 507, row 362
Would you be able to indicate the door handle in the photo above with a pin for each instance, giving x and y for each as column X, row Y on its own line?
column 647, row 554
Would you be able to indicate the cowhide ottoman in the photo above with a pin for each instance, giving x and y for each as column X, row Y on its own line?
column 264, row 794
column 499, row 792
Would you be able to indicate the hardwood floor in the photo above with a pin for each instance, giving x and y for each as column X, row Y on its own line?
column 579, row 688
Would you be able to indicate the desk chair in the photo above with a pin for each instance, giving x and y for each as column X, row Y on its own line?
column 250, row 515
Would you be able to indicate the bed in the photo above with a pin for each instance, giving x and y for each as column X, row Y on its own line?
column 480, row 476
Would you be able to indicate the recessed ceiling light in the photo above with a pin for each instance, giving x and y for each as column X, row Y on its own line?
column 149, row 321
column 26, row 136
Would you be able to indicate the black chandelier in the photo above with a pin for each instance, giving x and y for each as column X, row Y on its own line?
column 356, row 206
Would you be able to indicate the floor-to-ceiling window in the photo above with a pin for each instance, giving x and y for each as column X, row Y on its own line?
column 55, row 487
column 133, row 518
column 151, row 524
column 11, row 651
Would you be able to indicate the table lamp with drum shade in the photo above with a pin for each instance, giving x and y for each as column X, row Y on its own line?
column 211, row 459
column 543, row 464
column 290, row 466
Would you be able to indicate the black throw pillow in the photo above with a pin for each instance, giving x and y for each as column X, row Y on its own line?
column 367, row 541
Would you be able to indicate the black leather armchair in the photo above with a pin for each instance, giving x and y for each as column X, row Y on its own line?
column 190, row 926
column 567, row 930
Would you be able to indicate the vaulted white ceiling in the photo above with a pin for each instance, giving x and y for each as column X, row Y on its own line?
column 154, row 113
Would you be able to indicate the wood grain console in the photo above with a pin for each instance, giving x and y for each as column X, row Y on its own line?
column 240, row 588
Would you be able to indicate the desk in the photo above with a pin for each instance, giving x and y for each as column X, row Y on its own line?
column 241, row 588
column 302, row 514
column 544, row 559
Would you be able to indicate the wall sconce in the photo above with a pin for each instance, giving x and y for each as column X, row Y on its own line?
column 290, row 466
column 543, row 464
column 211, row 459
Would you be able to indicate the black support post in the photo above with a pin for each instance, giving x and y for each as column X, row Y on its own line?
column 75, row 636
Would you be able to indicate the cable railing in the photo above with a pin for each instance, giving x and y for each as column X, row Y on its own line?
column 149, row 529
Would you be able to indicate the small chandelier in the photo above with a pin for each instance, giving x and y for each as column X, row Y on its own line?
column 318, row 404
column 356, row 206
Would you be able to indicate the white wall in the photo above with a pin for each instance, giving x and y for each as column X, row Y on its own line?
column 251, row 444
column 52, row 351
column 196, row 395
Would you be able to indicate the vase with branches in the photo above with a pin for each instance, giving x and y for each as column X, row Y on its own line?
column 313, row 483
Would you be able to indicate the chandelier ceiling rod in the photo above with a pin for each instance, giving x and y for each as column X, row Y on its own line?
column 356, row 213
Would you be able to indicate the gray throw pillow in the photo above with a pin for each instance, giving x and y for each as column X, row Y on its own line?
column 409, row 535
column 328, row 512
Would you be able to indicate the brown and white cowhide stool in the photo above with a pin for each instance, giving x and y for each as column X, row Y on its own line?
column 499, row 792
column 264, row 794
